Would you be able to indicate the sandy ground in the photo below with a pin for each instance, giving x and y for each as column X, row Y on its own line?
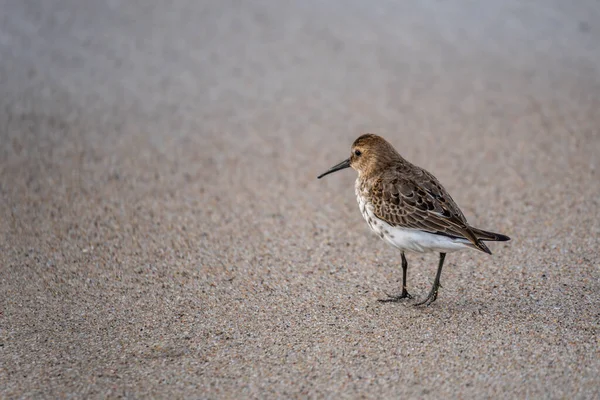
column 162, row 232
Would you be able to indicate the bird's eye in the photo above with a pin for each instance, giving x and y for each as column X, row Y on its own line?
column 357, row 153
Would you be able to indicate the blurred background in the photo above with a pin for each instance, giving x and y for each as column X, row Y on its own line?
column 162, row 231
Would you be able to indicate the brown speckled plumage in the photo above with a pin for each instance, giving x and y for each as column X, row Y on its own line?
column 405, row 195
column 407, row 206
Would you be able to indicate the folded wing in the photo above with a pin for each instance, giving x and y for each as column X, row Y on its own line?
column 400, row 201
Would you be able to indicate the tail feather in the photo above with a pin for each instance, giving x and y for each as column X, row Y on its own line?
column 475, row 242
column 474, row 238
column 481, row 235
column 479, row 245
column 489, row 236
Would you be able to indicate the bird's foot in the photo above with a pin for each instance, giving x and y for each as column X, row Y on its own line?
column 431, row 297
column 396, row 298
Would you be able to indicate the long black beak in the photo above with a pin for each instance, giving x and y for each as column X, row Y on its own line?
column 342, row 165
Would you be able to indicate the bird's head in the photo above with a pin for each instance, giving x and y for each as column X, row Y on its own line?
column 369, row 153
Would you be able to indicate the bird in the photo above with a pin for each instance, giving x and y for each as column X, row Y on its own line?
column 408, row 208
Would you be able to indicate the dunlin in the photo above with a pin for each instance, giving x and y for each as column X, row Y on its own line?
column 409, row 208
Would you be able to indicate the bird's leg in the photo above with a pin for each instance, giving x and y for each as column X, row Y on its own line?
column 436, row 284
column 404, row 294
column 404, row 269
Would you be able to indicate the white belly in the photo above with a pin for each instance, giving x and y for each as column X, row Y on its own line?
column 409, row 239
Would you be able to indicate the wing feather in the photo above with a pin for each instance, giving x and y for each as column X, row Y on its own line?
column 420, row 202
